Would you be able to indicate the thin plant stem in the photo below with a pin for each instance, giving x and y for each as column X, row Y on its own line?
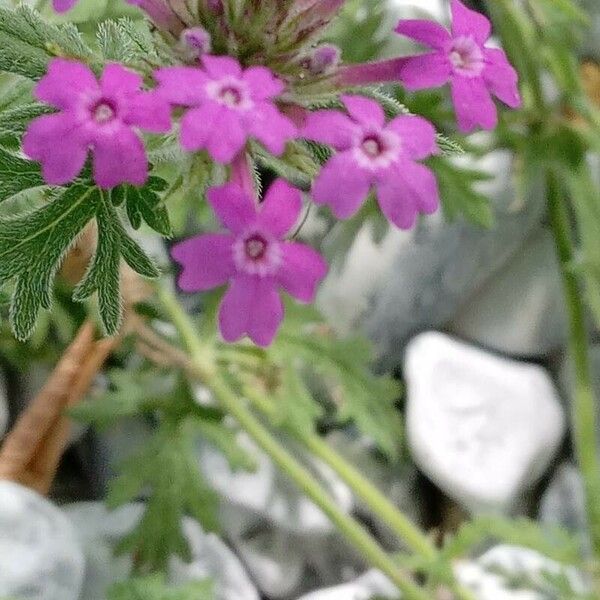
column 584, row 404
column 235, row 406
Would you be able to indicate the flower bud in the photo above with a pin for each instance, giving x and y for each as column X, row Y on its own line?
column 195, row 42
column 323, row 60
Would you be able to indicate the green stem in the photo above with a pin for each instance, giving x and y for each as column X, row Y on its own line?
column 584, row 405
column 350, row 528
column 389, row 514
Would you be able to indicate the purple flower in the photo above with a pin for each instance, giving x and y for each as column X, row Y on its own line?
column 63, row 5
column 253, row 258
column 227, row 106
column 372, row 154
column 474, row 70
column 98, row 116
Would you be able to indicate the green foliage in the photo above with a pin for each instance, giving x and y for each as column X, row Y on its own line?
column 357, row 394
column 33, row 245
column 145, row 204
column 153, row 587
column 16, row 174
column 553, row 542
column 126, row 41
column 28, row 42
column 167, row 468
column 458, row 195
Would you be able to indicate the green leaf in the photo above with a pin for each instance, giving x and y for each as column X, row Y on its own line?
column 154, row 587
column 553, row 542
column 32, row 247
column 167, row 466
column 458, row 196
column 15, row 120
column 28, row 42
column 145, row 204
column 358, row 394
column 17, row 174
column 126, row 41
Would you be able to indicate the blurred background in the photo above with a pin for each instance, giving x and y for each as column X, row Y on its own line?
column 467, row 312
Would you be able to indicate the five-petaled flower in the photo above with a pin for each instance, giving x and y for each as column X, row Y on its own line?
column 474, row 70
column 373, row 154
column 101, row 116
column 254, row 258
column 227, row 106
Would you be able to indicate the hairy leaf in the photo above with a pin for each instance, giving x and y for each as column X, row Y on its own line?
column 154, row 587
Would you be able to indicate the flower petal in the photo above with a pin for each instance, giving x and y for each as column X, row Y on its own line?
column 418, row 135
column 59, row 145
column 330, row 127
column 302, row 270
column 470, row 23
column 281, row 208
column 425, row 71
column 215, row 128
column 207, row 261
column 182, row 85
column 118, row 80
column 262, row 83
column 473, row 103
column 364, row 110
column 63, row 5
column 428, row 33
column 64, row 83
column 234, row 208
column 234, row 313
column 218, row 67
column 119, row 158
column 501, row 77
column 149, row 111
column 266, row 314
column 342, row 185
column 411, row 190
column 251, row 306
column 270, row 127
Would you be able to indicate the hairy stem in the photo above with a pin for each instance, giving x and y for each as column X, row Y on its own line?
column 584, row 403
column 235, row 406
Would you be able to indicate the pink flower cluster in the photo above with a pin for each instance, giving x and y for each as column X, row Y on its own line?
column 223, row 105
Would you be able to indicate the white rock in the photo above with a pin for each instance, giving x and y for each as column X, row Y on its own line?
column 266, row 494
column 520, row 310
column 418, row 280
column 40, row 558
column 515, row 573
column 100, row 530
column 483, row 428
column 371, row 584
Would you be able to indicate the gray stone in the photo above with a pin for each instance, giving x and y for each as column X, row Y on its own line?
column 40, row 558
column 563, row 503
column 370, row 585
column 418, row 280
column 515, row 573
column 520, row 311
column 100, row 530
column 482, row 427
column 268, row 495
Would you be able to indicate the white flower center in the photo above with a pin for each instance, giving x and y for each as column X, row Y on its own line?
column 230, row 92
column 466, row 57
column 104, row 112
column 257, row 254
column 377, row 149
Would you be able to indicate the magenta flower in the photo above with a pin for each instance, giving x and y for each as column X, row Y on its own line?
column 99, row 116
column 371, row 155
column 253, row 258
column 227, row 106
column 474, row 70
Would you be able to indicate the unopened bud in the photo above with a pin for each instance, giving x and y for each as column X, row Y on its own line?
column 195, row 42
column 323, row 59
